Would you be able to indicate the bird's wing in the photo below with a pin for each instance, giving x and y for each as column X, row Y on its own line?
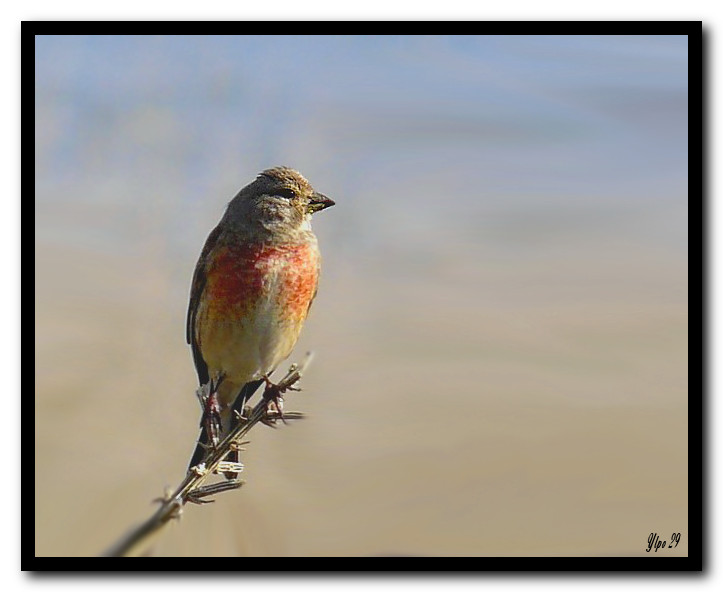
column 197, row 286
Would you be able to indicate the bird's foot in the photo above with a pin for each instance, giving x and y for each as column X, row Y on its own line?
column 273, row 394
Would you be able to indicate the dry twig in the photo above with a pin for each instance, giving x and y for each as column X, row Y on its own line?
column 192, row 488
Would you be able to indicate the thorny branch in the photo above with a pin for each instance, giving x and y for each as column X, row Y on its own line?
column 192, row 488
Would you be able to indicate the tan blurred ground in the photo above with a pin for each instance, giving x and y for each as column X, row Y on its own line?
column 499, row 407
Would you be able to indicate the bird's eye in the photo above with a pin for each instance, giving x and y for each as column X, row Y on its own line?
column 286, row 192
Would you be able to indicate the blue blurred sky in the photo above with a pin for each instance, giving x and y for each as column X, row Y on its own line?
column 521, row 139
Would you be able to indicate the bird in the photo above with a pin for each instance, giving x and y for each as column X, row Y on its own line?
column 252, row 288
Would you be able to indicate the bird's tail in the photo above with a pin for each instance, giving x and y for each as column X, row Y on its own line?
column 228, row 422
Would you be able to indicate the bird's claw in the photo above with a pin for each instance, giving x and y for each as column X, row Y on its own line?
column 273, row 394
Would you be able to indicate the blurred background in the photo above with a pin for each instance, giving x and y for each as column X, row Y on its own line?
column 501, row 324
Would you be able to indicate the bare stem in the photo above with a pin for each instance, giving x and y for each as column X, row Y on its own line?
column 191, row 488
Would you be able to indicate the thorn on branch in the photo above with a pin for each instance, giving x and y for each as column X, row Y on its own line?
column 196, row 496
column 200, row 470
column 226, row 466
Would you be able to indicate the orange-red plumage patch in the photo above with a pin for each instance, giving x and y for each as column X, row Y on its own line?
column 239, row 276
column 299, row 282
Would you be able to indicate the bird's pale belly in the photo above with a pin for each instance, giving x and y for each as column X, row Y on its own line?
column 255, row 303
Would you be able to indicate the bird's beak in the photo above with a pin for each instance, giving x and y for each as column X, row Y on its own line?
column 319, row 202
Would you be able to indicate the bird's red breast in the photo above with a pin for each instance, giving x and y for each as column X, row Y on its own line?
column 239, row 276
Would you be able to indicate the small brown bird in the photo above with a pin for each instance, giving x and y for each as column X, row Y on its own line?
column 252, row 288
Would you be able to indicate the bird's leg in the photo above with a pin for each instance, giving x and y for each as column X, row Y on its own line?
column 275, row 402
column 211, row 419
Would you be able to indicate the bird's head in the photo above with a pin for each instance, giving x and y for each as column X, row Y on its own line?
column 278, row 200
